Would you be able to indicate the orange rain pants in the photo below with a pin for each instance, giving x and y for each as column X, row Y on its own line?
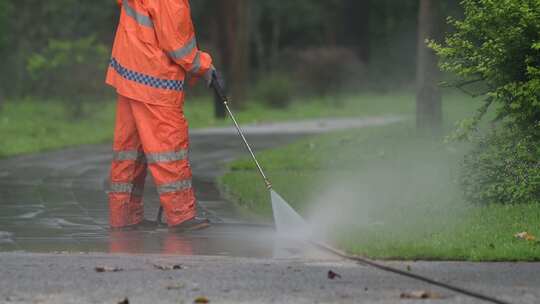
column 154, row 137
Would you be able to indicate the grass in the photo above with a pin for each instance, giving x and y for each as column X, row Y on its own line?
column 366, row 104
column 388, row 193
column 30, row 126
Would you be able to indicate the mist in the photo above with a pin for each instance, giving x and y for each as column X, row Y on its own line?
column 402, row 195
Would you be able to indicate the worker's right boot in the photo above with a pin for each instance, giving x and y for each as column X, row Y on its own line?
column 196, row 223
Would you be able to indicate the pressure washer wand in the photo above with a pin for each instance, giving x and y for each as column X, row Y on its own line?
column 221, row 94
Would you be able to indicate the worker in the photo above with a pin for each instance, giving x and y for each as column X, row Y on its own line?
column 155, row 53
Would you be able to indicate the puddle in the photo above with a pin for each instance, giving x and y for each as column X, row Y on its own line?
column 64, row 224
column 57, row 222
column 55, row 202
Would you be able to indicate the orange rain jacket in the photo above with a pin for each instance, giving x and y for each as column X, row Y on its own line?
column 155, row 50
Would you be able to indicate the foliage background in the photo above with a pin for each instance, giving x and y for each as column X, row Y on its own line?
column 381, row 35
column 495, row 54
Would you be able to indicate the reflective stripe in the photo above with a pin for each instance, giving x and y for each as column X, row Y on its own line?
column 174, row 187
column 166, row 157
column 196, row 63
column 128, row 155
column 166, row 84
column 185, row 50
column 140, row 18
column 126, row 188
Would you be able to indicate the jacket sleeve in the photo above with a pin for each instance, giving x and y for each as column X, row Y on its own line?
column 176, row 35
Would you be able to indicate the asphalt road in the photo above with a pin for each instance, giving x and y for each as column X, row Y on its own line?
column 53, row 235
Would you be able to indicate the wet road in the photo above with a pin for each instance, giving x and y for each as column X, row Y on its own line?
column 55, row 202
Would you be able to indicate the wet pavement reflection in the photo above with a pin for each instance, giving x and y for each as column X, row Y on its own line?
column 220, row 240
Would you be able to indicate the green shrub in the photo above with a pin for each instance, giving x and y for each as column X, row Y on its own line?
column 275, row 90
column 69, row 70
column 504, row 167
column 498, row 45
column 495, row 54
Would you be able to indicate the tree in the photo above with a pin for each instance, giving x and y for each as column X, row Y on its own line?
column 233, row 41
column 5, row 8
column 32, row 24
column 428, row 99
column 356, row 27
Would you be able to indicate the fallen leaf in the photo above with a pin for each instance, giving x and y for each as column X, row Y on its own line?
column 108, row 269
column 525, row 236
column 420, row 295
column 168, row 267
column 332, row 275
column 125, row 301
column 176, row 287
column 201, row 300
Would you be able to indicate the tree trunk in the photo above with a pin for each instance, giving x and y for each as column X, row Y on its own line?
column 258, row 42
column 428, row 99
column 215, row 36
column 1, row 100
column 233, row 19
column 356, row 27
column 275, row 40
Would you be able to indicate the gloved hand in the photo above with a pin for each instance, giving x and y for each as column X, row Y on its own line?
column 214, row 77
column 219, row 81
column 209, row 76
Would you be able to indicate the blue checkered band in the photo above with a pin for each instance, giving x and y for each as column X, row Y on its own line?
column 166, row 84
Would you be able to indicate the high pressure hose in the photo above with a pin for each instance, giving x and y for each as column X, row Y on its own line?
column 408, row 274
